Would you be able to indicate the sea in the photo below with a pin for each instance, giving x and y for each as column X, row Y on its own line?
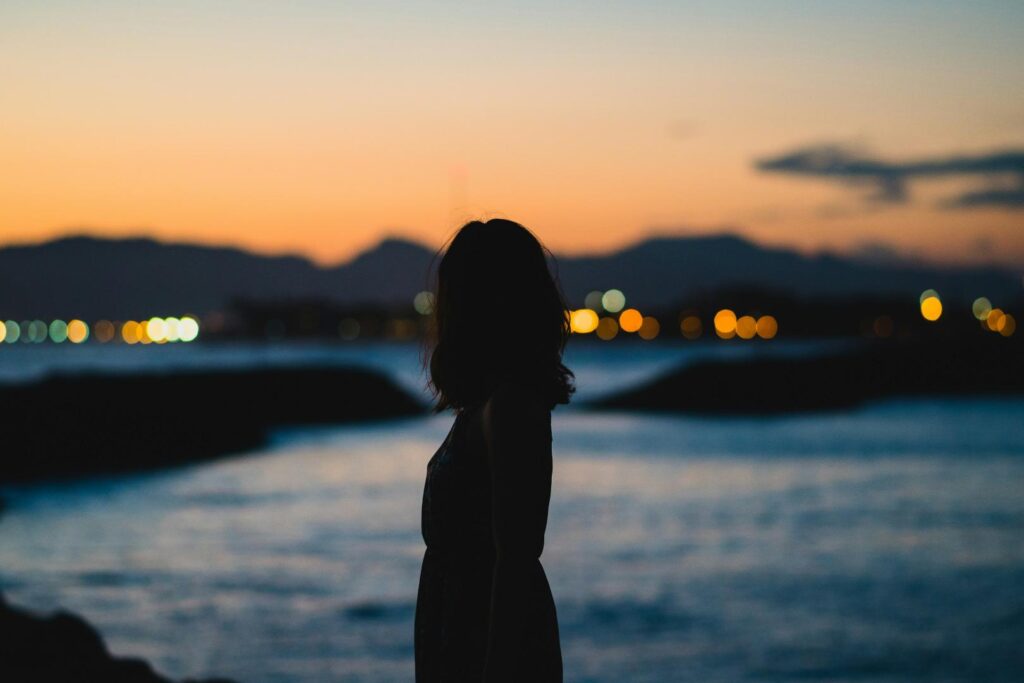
column 879, row 544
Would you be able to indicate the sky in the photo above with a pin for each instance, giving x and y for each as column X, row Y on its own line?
column 321, row 127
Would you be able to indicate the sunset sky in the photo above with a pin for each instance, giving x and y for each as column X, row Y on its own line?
column 319, row 127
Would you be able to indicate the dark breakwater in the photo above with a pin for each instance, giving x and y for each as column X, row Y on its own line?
column 986, row 366
column 73, row 425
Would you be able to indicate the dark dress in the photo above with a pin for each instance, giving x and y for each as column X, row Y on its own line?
column 453, row 630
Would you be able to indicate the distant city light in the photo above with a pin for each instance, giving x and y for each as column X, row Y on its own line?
column 725, row 324
column 630, row 320
column 767, row 327
column 613, row 301
column 78, row 331
column 156, row 329
column 58, row 331
column 607, row 328
column 37, row 331
column 882, row 326
column 981, row 307
column 1007, row 325
column 649, row 328
column 188, row 329
column 583, row 321
column 173, row 329
column 12, row 331
column 931, row 307
column 746, row 327
column 691, row 327
column 130, row 332
column 424, row 303
column 104, row 331
column 927, row 294
column 593, row 300
column 994, row 319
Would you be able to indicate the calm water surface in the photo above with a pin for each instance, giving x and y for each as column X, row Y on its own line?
column 883, row 544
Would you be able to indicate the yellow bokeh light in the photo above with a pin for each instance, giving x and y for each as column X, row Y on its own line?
column 691, row 327
column 649, row 328
column 767, row 327
column 746, row 327
column 607, row 328
column 1007, row 325
column 188, row 329
column 583, row 321
column 173, row 333
column 725, row 324
column 3, row 330
column 931, row 308
column 156, row 329
column 994, row 319
column 630, row 320
column 130, row 332
column 78, row 331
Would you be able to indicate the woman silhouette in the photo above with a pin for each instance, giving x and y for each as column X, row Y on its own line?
column 484, row 610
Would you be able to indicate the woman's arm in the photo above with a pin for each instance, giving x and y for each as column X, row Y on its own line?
column 517, row 429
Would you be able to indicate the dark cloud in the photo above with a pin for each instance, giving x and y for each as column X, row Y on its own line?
column 889, row 180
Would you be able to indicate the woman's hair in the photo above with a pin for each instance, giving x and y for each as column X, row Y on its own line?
column 499, row 316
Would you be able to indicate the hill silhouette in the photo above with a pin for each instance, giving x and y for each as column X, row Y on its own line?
column 91, row 277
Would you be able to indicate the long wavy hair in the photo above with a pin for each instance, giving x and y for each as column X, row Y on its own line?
column 499, row 316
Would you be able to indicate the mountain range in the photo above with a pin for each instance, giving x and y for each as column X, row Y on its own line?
column 91, row 277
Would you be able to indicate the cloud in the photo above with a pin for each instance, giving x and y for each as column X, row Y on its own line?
column 889, row 180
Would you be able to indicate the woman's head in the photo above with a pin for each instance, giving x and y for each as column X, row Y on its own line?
column 498, row 316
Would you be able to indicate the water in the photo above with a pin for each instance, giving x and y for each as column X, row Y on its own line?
column 882, row 544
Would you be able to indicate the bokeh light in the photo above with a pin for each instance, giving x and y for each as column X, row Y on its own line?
column 767, row 327
column 607, row 328
column 927, row 294
column 78, row 331
column 130, row 332
column 188, row 329
column 725, row 324
column 12, row 331
column 630, row 320
column 994, row 319
column 105, row 331
column 424, row 303
column 583, row 321
column 613, row 301
column 173, row 329
column 882, row 326
column 746, row 327
column 58, row 331
column 348, row 329
column 691, row 327
column 1008, row 325
column 981, row 307
column 649, row 328
column 37, row 331
column 156, row 330
column 593, row 300
column 931, row 308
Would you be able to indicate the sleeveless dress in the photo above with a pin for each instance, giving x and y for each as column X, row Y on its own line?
column 454, row 597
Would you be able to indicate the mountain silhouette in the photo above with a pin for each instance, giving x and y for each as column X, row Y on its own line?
column 91, row 277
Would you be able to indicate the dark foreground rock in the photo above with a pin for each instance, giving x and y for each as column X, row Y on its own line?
column 990, row 365
column 68, row 426
column 63, row 648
